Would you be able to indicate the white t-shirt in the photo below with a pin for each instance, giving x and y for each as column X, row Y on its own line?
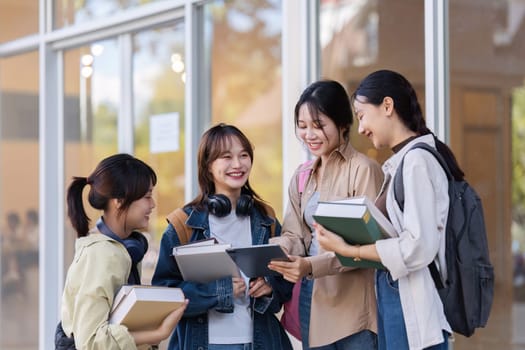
column 311, row 207
column 236, row 327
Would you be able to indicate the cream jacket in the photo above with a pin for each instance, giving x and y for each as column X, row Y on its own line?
column 421, row 230
column 343, row 299
column 100, row 266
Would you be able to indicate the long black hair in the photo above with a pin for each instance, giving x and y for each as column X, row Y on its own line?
column 327, row 97
column 120, row 176
column 382, row 83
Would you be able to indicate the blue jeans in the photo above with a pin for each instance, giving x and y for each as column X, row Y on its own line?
column 230, row 346
column 392, row 333
column 364, row 340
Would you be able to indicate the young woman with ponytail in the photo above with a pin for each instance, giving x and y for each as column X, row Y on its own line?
column 107, row 256
column 410, row 312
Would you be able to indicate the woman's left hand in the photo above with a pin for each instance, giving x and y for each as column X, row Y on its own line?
column 328, row 240
column 259, row 287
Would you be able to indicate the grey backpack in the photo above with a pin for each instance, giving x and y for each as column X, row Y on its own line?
column 468, row 292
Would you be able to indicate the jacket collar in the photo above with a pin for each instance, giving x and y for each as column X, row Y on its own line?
column 198, row 219
column 391, row 164
column 344, row 151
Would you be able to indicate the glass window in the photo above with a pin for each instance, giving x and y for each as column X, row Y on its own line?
column 17, row 19
column 19, row 201
column 158, row 90
column 486, row 133
column 91, row 105
column 243, row 48
column 71, row 12
column 358, row 37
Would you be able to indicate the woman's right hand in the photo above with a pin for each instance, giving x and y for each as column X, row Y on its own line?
column 292, row 270
column 239, row 287
column 171, row 321
column 155, row 336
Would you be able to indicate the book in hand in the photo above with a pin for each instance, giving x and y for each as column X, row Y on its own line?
column 144, row 307
column 204, row 261
column 358, row 221
column 253, row 260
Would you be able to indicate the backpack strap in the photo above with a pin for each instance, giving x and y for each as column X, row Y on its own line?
column 399, row 191
column 304, row 173
column 399, row 195
column 178, row 219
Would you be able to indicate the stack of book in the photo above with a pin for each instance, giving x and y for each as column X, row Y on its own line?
column 358, row 221
column 144, row 307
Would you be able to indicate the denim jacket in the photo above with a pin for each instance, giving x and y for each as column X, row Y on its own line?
column 192, row 331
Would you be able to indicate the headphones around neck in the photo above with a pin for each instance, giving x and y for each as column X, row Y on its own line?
column 136, row 244
column 220, row 205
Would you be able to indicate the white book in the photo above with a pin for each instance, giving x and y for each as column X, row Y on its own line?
column 361, row 205
column 143, row 307
column 204, row 263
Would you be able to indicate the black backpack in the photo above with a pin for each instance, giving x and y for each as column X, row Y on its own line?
column 468, row 292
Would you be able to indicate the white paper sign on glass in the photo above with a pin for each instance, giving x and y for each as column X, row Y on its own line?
column 164, row 132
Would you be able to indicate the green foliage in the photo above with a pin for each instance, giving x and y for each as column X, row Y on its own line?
column 518, row 156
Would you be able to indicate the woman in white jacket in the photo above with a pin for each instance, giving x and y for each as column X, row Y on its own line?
column 410, row 312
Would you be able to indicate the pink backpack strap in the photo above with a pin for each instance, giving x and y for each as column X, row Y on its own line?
column 304, row 173
column 290, row 316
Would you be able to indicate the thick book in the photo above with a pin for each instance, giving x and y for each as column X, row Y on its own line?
column 253, row 260
column 204, row 261
column 358, row 221
column 144, row 307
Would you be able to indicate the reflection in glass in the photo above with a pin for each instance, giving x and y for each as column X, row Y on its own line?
column 358, row 37
column 243, row 41
column 19, row 200
column 158, row 94
column 18, row 19
column 486, row 133
column 71, row 12
column 91, row 104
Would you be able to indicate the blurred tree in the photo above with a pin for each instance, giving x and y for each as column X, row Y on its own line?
column 244, row 39
column 518, row 164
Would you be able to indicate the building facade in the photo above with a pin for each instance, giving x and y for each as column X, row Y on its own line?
column 80, row 80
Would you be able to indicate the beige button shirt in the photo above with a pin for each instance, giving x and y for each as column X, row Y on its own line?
column 343, row 299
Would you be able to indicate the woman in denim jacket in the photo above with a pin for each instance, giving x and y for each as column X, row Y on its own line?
column 232, row 312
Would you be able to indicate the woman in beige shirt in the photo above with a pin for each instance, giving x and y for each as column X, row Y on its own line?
column 337, row 304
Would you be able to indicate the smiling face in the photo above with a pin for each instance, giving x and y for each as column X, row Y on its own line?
column 231, row 170
column 321, row 135
column 138, row 214
column 374, row 121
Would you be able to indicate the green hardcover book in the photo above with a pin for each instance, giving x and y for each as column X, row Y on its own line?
column 357, row 222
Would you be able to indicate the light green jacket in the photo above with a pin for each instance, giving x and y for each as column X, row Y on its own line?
column 100, row 267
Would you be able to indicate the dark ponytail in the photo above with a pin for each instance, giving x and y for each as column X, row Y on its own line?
column 75, row 207
column 380, row 84
column 120, row 176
